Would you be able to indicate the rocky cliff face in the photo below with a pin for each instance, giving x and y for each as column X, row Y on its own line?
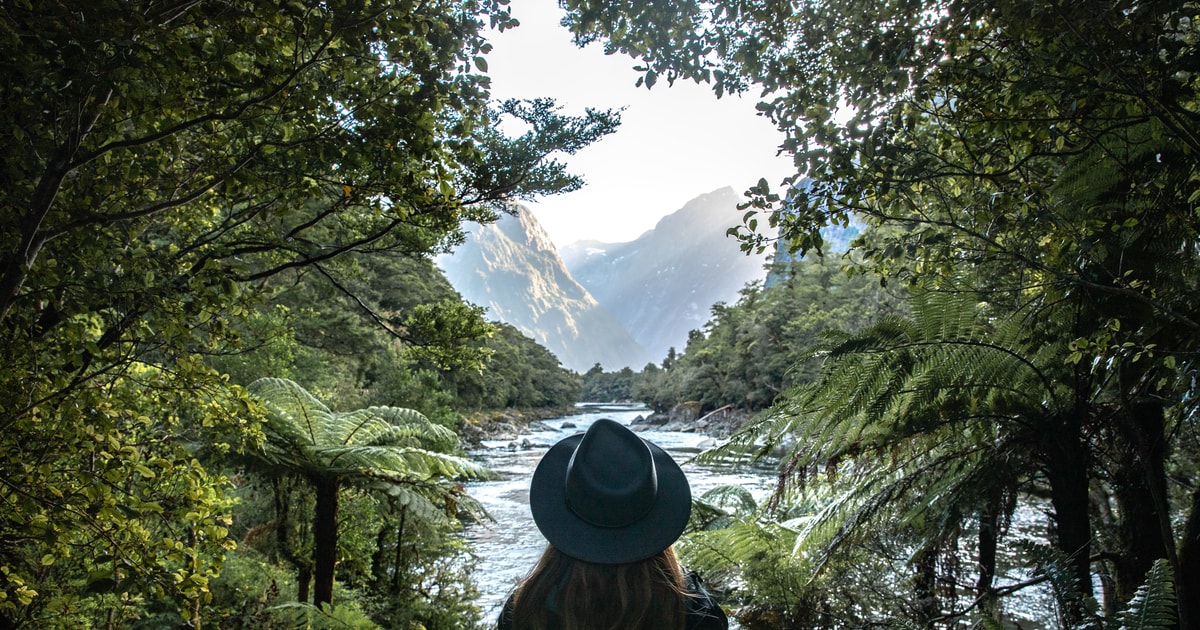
column 617, row 304
column 664, row 284
column 513, row 269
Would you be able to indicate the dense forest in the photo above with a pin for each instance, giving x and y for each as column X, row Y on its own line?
column 232, row 377
column 752, row 351
column 232, row 373
column 1021, row 440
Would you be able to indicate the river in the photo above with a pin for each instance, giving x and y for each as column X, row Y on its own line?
column 508, row 548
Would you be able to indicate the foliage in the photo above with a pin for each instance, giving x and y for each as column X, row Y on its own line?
column 116, row 511
column 518, row 373
column 167, row 168
column 750, row 352
column 601, row 386
column 751, row 550
column 1154, row 604
column 248, row 591
column 423, row 576
column 391, row 450
column 328, row 617
column 1038, row 158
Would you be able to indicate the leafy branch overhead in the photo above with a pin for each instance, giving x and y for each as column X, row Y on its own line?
column 169, row 168
column 1029, row 168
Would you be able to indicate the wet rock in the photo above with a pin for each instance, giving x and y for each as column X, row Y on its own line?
column 653, row 420
column 686, row 418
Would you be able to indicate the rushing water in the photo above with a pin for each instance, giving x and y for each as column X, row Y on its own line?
column 508, row 548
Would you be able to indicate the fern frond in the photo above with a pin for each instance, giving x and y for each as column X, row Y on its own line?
column 303, row 415
column 1153, row 605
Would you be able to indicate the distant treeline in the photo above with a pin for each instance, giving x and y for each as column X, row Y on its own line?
column 751, row 351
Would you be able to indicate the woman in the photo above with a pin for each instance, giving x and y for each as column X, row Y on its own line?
column 610, row 505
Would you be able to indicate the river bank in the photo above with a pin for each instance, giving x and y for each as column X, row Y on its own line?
column 511, row 424
column 507, row 424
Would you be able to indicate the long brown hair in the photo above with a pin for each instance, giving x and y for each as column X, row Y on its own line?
column 647, row 595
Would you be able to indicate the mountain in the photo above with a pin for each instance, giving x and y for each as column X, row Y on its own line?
column 837, row 238
column 663, row 285
column 513, row 269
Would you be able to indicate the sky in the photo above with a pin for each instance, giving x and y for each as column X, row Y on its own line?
column 675, row 143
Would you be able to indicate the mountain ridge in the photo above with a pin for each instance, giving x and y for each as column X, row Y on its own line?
column 616, row 304
column 664, row 283
column 513, row 269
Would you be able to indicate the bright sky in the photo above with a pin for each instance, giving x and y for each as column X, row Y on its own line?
column 674, row 144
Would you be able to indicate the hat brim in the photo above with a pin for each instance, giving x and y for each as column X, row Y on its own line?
column 581, row 540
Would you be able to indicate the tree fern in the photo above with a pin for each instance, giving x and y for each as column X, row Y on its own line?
column 388, row 443
column 912, row 422
column 395, row 451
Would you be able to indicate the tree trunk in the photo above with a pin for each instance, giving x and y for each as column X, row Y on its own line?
column 925, row 585
column 379, row 566
column 283, row 523
column 1067, row 470
column 303, row 582
column 1187, row 591
column 1139, row 488
column 989, row 525
column 325, row 539
column 398, row 563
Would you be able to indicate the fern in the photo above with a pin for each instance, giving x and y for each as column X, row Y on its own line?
column 1153, row 605
column 395, row 452
column 913, row 422
column 384, row 443
column 328, row 617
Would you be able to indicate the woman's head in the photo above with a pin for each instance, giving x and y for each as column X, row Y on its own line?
column 609, row 497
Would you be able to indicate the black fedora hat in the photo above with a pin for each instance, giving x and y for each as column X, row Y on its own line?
column 609, row 497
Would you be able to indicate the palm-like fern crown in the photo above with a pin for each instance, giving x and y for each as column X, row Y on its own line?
column 388, row 444
column 919, row 417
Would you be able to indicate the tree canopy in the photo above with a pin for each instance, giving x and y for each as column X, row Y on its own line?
column 166, row 167
column 1037, row 157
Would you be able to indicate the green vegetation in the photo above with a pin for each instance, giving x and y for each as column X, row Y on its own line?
column 752, row 351
column 390, row 450
column 755, row 349
column 201, row 194
column 198, row 195
column 1029, row 170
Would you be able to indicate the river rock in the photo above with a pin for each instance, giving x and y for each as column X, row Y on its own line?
column 653, row 420
column 686, row 418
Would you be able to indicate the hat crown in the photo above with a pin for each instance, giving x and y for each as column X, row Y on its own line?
column 611, row 479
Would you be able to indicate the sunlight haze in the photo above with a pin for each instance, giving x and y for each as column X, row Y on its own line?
column 674, row 144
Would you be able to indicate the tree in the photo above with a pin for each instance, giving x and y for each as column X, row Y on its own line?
column 393, row 450
column 930, row 421
column 517, row 373
column 752, row 351
column 167, row 165
column 1046, row 149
